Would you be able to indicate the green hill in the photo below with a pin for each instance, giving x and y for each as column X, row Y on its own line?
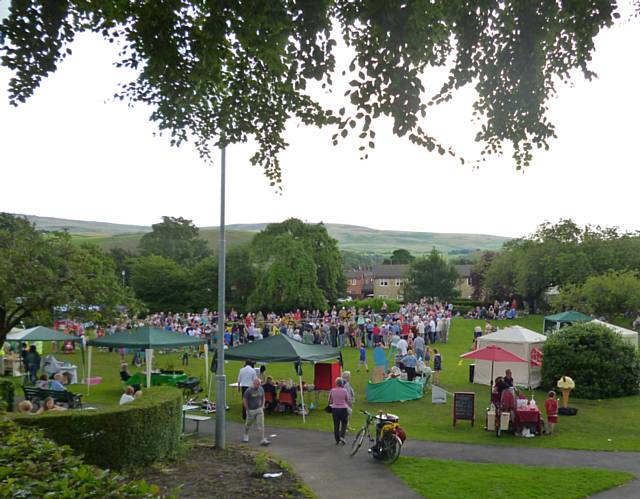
column 353, row 238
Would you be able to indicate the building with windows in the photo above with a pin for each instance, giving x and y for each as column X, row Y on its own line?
column 389, row 281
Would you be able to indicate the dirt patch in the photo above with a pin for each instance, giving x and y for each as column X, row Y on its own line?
column 238, row 471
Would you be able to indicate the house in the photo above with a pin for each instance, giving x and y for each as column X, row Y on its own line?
column 359, row 283
column 389, row 281
column 463, row 283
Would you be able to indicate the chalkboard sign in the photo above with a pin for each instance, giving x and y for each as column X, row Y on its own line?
column 464, row 406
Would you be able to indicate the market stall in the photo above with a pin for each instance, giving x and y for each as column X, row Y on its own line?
column 629, row 336
column 556, row 321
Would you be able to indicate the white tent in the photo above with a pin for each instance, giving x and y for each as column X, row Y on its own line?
column 519, row 341
column 628, row 335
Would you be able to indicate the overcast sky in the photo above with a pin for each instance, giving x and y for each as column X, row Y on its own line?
column 72, row 152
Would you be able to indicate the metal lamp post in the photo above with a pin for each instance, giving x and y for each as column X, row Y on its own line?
column 221, row 390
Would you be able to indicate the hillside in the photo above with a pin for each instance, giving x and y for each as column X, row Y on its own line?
column 350, row 237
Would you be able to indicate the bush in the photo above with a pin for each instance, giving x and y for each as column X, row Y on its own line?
column 33, row 466
column 6, row 394
column 119, row 437
column 599, row 361
column 375, row 304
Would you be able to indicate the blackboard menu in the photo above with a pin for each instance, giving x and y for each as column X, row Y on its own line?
column 464, row 406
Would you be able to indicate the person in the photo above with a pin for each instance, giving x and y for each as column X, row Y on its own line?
column 410, row 362
column 25, row 407
column 270, row 387
column 508, row 378
column 363, row 359
column 253, row 404
column 263, row 374
column 551, row 408
column 246, row 376
column 57, row 383
column 50, row 405
column 138, row 394
column 418, row 345
column 402, row 346
column 32, row 362
column 437, row 366
column 127, row 396
column 43, row 382
column 340, row 405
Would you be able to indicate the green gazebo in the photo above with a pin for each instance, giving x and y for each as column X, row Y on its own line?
column 556, row 321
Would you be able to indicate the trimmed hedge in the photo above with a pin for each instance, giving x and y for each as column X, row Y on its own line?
column 119, row 437
column 33, row 466
column 7, row 392
column 374, row 304
column 597, row 359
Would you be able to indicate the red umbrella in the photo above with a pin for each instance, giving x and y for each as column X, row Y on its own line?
column 493, row 353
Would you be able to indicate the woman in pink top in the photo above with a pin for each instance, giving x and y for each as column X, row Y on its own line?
column 339, row 403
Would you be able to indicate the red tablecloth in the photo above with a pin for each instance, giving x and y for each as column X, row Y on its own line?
column 528, row 415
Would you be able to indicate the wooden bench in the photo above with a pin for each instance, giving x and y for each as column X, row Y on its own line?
column 73, row 400
column 197, row 419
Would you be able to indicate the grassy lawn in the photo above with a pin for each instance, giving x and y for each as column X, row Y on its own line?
column 600, row 425
column 437, row 479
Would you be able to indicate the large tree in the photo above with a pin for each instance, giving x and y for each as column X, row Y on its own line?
column 223, row 71
column 175, row 238
column 399, row 257
column 41, row 271
column 431, row 276
column 322, row 249
column 161, row 283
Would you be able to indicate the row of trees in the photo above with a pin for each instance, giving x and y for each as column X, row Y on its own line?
column 594, row 268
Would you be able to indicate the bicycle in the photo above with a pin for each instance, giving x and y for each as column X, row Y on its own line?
column 387, row 444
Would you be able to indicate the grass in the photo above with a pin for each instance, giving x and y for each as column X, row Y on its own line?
column 435, row 479
column 609, row 425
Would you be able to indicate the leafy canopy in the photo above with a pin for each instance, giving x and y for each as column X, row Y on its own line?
column 41, row 271
column 432, row 277
column 222, row 72
column 175, row 238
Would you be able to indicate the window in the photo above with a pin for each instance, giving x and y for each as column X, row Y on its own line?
column 382, row 296
column 383, row 282
column 353, row 282
column 400, row 297
column 399, row 283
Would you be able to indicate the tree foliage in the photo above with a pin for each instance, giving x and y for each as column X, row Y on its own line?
column 41, row 271
column 400, row 257
column 288, row 278
column 225, row 71
column 432, row 277
column 606, row 294
column 316, row 242
column 162, row 284
column 175, row 238
column 597, row 359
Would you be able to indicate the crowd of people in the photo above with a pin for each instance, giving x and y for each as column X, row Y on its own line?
column 497, row 311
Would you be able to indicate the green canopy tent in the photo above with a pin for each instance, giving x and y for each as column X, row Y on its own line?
column 281, row 348
column 556, row 321
column 41, row 333
column 149, row 338
column 394, row 390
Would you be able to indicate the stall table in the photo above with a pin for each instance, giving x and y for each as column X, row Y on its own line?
column 528, row 416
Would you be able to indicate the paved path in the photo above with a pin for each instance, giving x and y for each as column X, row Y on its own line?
column 332, row 473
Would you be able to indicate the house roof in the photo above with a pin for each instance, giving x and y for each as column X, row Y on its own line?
column 464, row 270
column 390, row 271
column 353, row 274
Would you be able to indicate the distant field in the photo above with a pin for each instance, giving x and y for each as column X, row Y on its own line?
column 350, row 237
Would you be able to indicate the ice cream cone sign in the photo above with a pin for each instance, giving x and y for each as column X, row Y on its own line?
column 566, row 384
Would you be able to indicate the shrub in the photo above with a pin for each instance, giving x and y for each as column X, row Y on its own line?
column 599, row 361
column 6, row 394
column 119, row 437
column 33, row 466
column 375, row 304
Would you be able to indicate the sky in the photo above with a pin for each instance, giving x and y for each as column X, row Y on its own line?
column 72, row 152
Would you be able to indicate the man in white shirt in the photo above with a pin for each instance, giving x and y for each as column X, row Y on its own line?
column 402, row 347
column 127, row 396
column 246, row 375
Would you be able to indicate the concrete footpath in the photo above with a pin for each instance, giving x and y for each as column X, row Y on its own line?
column 331, row 473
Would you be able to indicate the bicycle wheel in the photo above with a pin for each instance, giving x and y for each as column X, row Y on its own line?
column 392, row 446
column 357, row 442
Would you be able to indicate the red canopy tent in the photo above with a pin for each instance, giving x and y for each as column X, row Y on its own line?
column 493, row 353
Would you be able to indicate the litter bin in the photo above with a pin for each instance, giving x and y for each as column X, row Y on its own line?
column 472, row 370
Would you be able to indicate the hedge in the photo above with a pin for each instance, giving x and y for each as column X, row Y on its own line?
column 374, row 304
column 6, row 394
column 34, row 466
column 120, row 437
column 597, row 359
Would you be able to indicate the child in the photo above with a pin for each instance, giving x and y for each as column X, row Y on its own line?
column 551, row 407
column 437, row 366
column 363, row 359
